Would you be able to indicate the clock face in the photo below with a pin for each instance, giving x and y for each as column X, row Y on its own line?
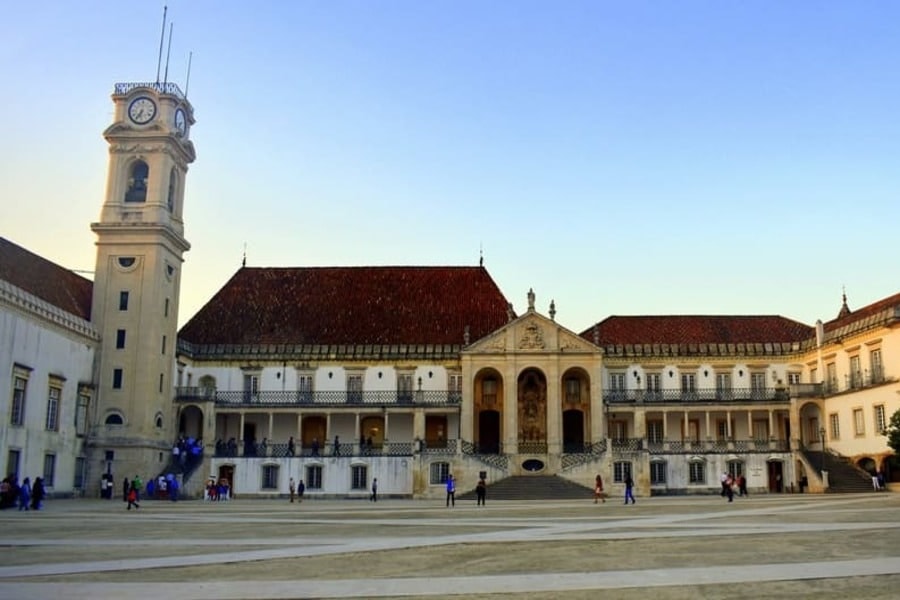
column 142, row 110
column 180, row 122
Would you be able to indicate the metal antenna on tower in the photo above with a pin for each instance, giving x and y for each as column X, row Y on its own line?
column 168, row 52
column 162, row 36
column 187, row 81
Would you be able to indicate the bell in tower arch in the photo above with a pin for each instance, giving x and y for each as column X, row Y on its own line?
column 137, row 182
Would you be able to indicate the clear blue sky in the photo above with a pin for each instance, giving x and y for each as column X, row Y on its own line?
column 619, row 157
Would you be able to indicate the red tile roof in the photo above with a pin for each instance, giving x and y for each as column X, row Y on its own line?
column 46, row 280
column 860, row 315
column 697, row 329
column 350, row 305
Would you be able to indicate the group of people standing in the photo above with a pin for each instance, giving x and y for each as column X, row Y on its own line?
column 733, row 483
column 26, row 496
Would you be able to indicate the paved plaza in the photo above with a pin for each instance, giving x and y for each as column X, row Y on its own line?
column 797, row 546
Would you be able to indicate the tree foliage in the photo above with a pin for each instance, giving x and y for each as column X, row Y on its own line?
column 893, row 433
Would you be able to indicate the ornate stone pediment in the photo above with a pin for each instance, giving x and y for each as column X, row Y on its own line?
column 531, row 333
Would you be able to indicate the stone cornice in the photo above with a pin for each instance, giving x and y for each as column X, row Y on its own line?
column 46, row 312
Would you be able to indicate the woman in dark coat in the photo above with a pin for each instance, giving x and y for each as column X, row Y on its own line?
column 37, row 493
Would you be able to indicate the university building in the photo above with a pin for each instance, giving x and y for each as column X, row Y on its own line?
column 338, row 375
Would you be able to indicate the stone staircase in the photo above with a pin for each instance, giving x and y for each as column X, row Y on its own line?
column 843, row 477
column 533, row 487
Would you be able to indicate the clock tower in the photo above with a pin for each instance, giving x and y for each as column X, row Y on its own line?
column 140, row 245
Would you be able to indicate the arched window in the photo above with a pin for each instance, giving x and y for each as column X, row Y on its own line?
column 159, row 421
column 137, row 182
column 115, row 419
column 173, row 180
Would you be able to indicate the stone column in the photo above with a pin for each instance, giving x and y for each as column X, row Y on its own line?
column 554, row 410
column 510, row 410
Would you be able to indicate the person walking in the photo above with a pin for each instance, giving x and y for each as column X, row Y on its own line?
column 374, row 496
column 629, row 490
column 132, row 497
column 451, row 491
column 25, row 494
column 301, row 487
column 480, row 492
column 729, row 488
column 291, row 489
column 37, row 493
column 742, row 485
column 598, row 489
column 126, row 487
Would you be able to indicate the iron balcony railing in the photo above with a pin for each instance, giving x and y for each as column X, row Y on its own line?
column 163, row 87
column 718, row 446
column 318, row 399
column 852, row 381
column 710, row 395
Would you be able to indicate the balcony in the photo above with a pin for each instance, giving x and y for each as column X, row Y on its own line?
column 698, row 396
column 300, row 399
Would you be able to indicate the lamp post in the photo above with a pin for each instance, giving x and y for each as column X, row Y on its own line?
column 822, row 439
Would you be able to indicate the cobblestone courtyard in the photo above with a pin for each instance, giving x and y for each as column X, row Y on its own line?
column 797, row 546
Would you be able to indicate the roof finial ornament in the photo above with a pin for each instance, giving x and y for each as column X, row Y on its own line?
column 510, row 313
column 244, row 259
column 466, row 335
column 480, row 255
column 552, row 310
column 530, row 300
column 845, row 310
column 596, row 334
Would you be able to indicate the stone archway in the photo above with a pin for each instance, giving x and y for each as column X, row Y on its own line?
column 190, row 422
column 487, row 411
column 531, row 394
column 575, row 394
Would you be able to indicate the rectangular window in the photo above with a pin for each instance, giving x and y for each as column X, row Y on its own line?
column 855, row 372
column 314, row 477
column 735, row 468
column 573, row 390
column 859, row 423
column 831, row 382
column 812, row 432
column 52, row 421
column 653, row 387
column 439, row 473
column 163, row 345
column 305, row 388
column 166, row 308
column 117, row 379
column 49, row 469
column 879, row 419
column 17, row 410
column 697, row 472
column 251, row 387
column 405, row 388
column 655, row 431
column 354, row 389
column 78, row 482
column 793, row 378
column 359, row 477
column 123, row 300
column 454, row 387
column 12, row 462
column 835, row 423
column 489, row 392
column 657, row 473
column 270, row 477
column 693, row 431
column 160, row 383
column 688, row 386
column 724, row 429
column 616, row 387
column 758, row 386
column 618, row 430
column 723, row 386
column 621, row 471
column 81, row 411
column 877, row 367
column 814, row 375
column 120, row 339
column 760, row 430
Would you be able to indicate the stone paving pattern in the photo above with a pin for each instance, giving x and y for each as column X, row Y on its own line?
column 778, row 546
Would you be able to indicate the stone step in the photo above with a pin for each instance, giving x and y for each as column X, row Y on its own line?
column 534, row 487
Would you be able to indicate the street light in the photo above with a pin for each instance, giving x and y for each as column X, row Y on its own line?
column 822, row 439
